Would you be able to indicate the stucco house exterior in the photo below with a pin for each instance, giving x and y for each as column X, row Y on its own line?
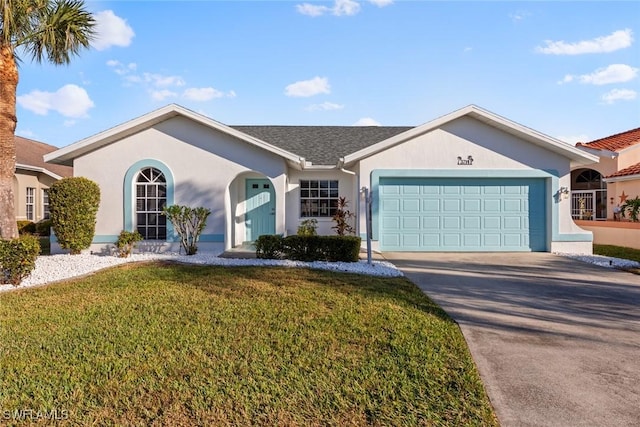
column 33, row 177
column 600, row 187
column 468, row 181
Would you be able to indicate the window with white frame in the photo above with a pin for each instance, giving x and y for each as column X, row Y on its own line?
column 46, row 213
column 151, row 198
column 30, row 202
column 318, row 198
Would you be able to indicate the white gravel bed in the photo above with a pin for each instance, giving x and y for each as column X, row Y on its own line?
column 604, row 261
column 53, row 268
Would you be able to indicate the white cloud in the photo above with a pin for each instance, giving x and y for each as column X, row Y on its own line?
column 339, row 8
column 346, row 7
column 619, row 95
column 306, row 88
column 159, row 80
column 161, row 95
column 366, row 121
column 617, row 40
column 202, row 94
column 519, row 16
column 312, row 9
column 573, row 139
column 111, row 30
column 325, row 106
column 121, row 69
column 381, row 3
column 69, row 101
column 614, row 73
column 69, row 123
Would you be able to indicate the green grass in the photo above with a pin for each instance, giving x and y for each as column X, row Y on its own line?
column 617, row 252
column 165, row 344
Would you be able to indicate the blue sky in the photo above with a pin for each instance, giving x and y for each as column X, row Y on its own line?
column 567, row 69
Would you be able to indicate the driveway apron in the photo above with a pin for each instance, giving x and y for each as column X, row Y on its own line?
column 556, row 341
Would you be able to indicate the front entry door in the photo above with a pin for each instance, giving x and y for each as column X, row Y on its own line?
column 261, row 209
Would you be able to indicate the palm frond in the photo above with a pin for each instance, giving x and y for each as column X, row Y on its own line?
column 60, row 30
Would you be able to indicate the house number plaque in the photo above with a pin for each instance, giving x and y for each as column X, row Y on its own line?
column 465, row 162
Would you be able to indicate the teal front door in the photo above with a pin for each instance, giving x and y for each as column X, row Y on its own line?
column 260, row 216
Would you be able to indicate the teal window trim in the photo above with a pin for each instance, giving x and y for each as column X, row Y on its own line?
column 129, row 182
column 552, row 186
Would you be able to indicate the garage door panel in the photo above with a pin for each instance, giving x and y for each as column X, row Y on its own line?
column 391, row 205
column 411, row 205
column 451, row 222
column 471, row 205
column 451, row 240
column 411, row 223
column 451, row 205
column 472, row 223
column 442, row 214
column 431, row 222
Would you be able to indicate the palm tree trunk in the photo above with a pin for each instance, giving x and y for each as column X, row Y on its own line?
column 8, row 121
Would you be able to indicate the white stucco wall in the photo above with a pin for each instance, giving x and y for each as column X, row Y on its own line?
column 492, row 150
column 204, row 163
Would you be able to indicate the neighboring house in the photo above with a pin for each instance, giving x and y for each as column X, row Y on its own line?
column 467, row 181
column 597, row 189
column 33, row 177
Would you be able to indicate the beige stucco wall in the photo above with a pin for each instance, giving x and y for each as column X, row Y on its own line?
column 621, row 233
column 492, row 150
column 23, row 180
column 204, row 164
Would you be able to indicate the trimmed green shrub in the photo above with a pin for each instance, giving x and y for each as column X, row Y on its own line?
column 73, row 203
column 303, row 248
column 269, row 246
column 126, row 242
column 43, row 227
column 342, row 248
column 26, row 227
column 309, row 248
column 189, row 223
column 18, row 258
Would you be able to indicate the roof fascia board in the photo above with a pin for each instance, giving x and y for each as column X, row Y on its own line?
column 37, row 169
column 597, row 152
column 67, row 154
column 622, row 178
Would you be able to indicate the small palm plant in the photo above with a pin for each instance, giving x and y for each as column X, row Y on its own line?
column 631, row 207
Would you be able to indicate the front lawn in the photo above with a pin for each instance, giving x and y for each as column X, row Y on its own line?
column 617, row 252
column 168, row 344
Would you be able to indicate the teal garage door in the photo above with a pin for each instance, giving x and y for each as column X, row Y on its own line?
column 458, row 214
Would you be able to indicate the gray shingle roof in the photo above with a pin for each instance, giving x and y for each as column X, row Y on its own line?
column 322, row 145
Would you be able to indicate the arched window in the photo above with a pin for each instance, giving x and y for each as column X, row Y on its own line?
column 151, row 198
column 587, row 179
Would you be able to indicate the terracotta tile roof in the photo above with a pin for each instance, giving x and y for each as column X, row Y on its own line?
column 631, row 170
column 30, row 152
column 615, row 142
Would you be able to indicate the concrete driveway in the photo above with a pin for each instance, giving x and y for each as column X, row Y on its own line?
column 556, row 341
